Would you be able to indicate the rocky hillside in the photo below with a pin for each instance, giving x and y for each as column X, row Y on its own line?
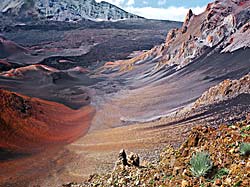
column 227, row 89
column 65, row 10
column 225, row 148
column 222, row 27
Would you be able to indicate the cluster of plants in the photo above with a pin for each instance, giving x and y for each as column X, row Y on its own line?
column 201, row 163
column 245, row 149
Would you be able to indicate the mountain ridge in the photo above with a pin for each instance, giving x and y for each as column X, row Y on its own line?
column 65, row 10
column 222, row 27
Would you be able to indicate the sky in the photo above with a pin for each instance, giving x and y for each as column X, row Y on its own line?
column 161, row 9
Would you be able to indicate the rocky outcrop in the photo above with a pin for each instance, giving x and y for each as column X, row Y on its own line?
column 127, row 160
column 187, row 20
column 222, row 27
column 22, row 72
column 65, row 10
column 227, row 89
column 219, row 28
column 223, row 144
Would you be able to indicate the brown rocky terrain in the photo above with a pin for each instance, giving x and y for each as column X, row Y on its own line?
column 230, row 168
column 222, row 27
column 53, row 72
column 224, row 91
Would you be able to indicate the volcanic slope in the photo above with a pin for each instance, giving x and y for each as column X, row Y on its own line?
column 158, row 101
column 56, row 67
column 36, row 124
column 60, row 56
column 173, row 75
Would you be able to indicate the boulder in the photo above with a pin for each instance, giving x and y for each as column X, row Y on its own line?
column 127, row 160
column 122, row 158
column 133, row 159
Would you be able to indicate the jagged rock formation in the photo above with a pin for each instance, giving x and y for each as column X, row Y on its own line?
column 227, row 89
column 65, row 10
column 127, row 160
column 223, row 27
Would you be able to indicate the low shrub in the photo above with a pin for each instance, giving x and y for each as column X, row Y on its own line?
column 245, row 149
column 201, row 164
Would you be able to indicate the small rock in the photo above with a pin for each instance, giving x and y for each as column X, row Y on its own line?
column 228, row 181
column 237, row 150
column 185, row 152
column 156, row 176
column 122, row 159
column 193, row 140
column 218, row 182
column 186, row 173
column 184, row 183
column 232, row 150
column 177, row 170
column 133, row 159
column 233, row 127
column 137, row 182
column 248, row 164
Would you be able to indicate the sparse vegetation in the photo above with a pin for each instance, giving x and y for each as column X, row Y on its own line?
column 200, row 164
column 221, row 165
column 245, row 149
column 237, row 184
column 222, row 172
column 245, row 129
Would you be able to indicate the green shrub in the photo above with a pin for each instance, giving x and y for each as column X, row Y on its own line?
column 245, row 129
column 222, row 172
column 200, row 164
column 245, row 149
column 237, row 184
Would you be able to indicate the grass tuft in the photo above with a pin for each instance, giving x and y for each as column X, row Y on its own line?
column 201, row 164
column 222, row 172
column 245, row 149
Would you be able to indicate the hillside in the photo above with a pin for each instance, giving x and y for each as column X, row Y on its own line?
column 230, row 165
column 38, row 123
column 66, row 10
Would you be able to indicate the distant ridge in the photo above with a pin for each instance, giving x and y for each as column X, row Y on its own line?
column 65, row 10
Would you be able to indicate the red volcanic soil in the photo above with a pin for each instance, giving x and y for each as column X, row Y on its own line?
column 30, row 124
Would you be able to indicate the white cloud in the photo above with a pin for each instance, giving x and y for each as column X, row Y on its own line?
column 130, row 2
column 170, row 13
column 114, row 2
column 120, row 3
column 162, row 2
